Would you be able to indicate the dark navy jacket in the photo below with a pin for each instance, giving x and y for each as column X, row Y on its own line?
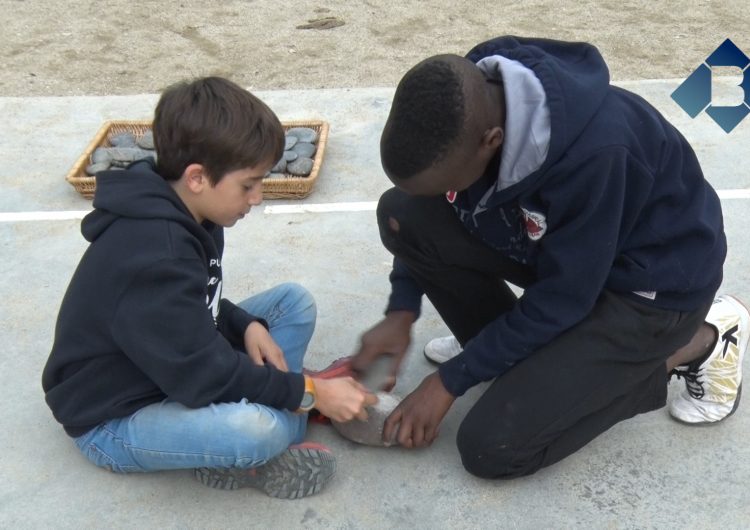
column 618, row 201
column 143, row 318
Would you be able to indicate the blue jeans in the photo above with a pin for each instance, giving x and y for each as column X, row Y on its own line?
column 168, row 435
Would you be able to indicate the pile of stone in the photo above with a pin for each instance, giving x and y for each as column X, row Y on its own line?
column 297, row 160
column 125, row 150
column 299, row 151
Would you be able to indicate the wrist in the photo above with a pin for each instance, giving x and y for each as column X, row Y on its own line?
column 309, row 396
column 402, row 317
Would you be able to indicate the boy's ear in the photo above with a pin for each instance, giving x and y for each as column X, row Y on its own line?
column 195, row 178
column 493, row 138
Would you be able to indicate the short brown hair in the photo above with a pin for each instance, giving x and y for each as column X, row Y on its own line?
column 213, row 122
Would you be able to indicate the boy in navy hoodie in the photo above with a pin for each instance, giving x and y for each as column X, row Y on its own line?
column 151, row 369
column 521, row 164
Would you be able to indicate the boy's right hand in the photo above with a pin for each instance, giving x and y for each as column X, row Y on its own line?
column 391, row 336
column 342, row 399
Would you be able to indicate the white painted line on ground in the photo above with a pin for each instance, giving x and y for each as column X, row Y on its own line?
column 371, row 206
column 322, row 208
column 11, row 217
column 331, row 207
column 734, row 194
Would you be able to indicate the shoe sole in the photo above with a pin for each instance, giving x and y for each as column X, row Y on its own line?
column 709, row 423
column 294, row 474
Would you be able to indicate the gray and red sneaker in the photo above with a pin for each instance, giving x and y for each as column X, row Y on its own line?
column 339, row 368
column 302, row 470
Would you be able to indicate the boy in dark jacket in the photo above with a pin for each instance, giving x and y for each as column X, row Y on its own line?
column 521, row 163
column 151, row 369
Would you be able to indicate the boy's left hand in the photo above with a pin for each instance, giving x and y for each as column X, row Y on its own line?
column 415, row 422
column 262, row 348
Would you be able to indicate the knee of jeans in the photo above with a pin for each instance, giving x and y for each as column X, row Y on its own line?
column 486, row 456
column 97, row 456
column 260, row 433
column 300, row 301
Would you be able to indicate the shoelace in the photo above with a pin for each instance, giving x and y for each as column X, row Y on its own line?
column 693, row 381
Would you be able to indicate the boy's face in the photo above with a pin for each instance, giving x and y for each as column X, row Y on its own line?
column 232, row 198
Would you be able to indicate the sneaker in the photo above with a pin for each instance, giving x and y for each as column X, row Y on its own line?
column 300, row 471
column 339, row 368
column 714, row 383
column 442, row 349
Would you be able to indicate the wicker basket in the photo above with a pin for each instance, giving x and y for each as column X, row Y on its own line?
column 291, row 187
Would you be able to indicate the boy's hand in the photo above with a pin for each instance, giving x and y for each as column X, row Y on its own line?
column 416, row 420
column 262, row 348
column 342, row 399
column 390, row 336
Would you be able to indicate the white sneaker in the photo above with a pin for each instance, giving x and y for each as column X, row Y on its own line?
column 714, row 386
column 442, row 349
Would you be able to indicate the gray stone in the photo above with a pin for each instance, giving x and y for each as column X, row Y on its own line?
column 280, row 166
column 93, row 169
column 147, row 140
column 101, row 155
column 304, row 149
column 124, row 139
column 272, row 176
column 303, row 134
column 289, row 156
column 124, row 156
column 300, row 167
column 289, row 142
column 370, row 431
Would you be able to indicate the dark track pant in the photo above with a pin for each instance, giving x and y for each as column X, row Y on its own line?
column 607, row 368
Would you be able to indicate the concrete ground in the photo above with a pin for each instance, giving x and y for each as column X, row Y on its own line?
column 648, row 472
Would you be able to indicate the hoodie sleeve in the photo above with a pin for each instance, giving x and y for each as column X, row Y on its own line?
column 406, row 294
column 584, row 223
column 163, row 327
column 233, row 321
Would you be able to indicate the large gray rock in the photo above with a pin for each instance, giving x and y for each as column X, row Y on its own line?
column 147, row 140
column 370, row 431
column 303, row 134
column 101, row 155
column 280, row 166
column 289, row 142
column 289, row 156
column 93, row 169
column 300, row 167
column 304, row 149
column 124, row 156
column 125, row 139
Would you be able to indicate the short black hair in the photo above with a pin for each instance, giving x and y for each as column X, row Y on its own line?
column 213, row 122
column 426, row 118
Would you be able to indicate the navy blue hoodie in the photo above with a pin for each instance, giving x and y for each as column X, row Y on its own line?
column 595, row 190
column 143, row 318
